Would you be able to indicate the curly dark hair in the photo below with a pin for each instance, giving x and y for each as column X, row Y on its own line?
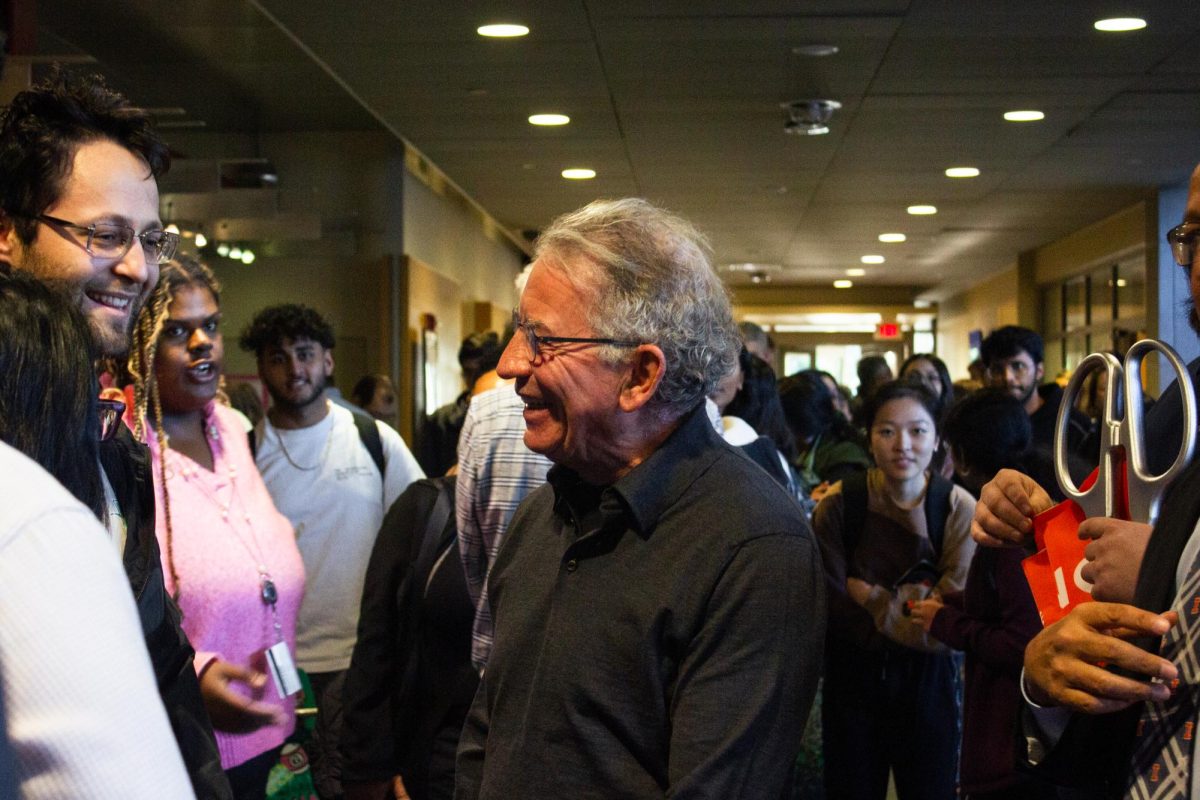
column 274, row 325
column 43, row 127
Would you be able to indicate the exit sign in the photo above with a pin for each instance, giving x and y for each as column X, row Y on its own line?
column 885, row 331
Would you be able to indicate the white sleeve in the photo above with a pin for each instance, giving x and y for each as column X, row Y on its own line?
column 402, row 467
column 84, row 715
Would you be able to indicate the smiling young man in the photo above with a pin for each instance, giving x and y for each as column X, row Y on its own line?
column 79, row 210
column 658, row 604
column 321, row 473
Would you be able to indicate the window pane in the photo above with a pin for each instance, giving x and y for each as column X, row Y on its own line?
column 1076, row 350
column 1102, row 294
column 1131, row 289
column 1052, row 310
column 1054, row 356
column 1076, row 295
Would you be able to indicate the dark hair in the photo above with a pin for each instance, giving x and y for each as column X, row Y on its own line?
column 44, row 126
column 808, row 406
column 868, row 367
column 364, row 390
column 48, row 397
column 946, row 398
column 274, row 325
column 900, row 390
column 1010, row 340
column 481, row 352
column 757, row 402
column 991, row 430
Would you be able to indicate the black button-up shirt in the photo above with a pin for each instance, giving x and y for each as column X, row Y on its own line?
column 657, row 637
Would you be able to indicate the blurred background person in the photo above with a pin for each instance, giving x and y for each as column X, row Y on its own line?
column 229, row 557
column 376, row 395
column 873, row 372
column 893, row 535
column 437, row 445
column 930, row 371
column 827, row 446
column 756, row 405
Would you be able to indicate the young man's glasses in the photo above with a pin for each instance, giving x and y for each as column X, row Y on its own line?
column 111, row 412
column 1182, row 239
column 536, row 341
column 111, row 241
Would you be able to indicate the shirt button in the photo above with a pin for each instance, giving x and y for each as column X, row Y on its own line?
column 572, row 565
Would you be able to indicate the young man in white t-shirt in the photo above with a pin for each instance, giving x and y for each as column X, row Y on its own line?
column 323, row 477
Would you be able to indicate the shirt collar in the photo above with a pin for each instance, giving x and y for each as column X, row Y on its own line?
column 649, row 489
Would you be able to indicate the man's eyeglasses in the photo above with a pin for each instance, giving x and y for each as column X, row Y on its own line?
column 536, row 340
column 111, row 241
column 111, row 412
column 1182, row 239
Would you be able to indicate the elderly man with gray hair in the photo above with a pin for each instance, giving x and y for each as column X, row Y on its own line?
column 659, row 608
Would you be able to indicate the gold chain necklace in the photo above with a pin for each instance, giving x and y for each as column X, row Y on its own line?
column 324, row 453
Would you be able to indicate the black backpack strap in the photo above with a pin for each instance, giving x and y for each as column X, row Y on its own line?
column 937, row 511
column 435, row 537
column 368, row 432
column 253, row 443
column 854, row 510
column 436, row 534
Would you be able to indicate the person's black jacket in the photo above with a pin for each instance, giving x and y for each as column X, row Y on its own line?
column 410, row 682
column 127, row 465
column 1079, row 425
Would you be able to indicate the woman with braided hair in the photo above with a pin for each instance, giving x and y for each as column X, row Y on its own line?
column 229, row 557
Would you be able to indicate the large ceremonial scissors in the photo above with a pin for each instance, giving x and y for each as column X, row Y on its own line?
column 1123, row 440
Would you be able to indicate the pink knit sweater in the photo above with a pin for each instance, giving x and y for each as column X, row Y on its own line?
column 225, row 528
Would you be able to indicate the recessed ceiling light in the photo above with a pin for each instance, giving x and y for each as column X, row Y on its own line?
column 579, row 174
column 922, row 210
column 842, row 284
column 962, row 172
column 856, row 272
column 1120, row 24
column 815, row 50
column 892, row 238
column 502, row 30
column 549, row 119
column 872, row 259
column 1024, row 116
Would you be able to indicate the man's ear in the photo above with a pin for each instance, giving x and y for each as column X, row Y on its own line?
column 1039, row 373
column 646, row 371
column 328, row 362
column 8, row 239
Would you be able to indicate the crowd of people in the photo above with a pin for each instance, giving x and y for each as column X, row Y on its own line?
column 642, row 566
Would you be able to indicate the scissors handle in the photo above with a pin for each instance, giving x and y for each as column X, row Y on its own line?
column 1122, row 436
column 1146, row 490
column 1100, row 499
